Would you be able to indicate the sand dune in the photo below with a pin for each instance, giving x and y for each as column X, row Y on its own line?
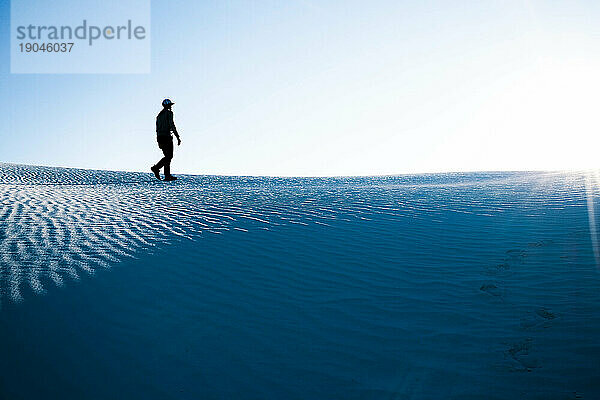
column 480, row 285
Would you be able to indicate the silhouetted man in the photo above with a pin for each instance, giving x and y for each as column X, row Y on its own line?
column 164, row 127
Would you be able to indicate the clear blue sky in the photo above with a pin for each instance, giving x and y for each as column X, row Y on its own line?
column 329, row 88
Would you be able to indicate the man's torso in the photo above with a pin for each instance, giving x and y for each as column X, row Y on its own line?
column 164, row 123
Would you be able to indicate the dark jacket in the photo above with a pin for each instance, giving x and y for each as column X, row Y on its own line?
column 164, row 123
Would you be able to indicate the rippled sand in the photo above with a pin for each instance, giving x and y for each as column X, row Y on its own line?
column 480, row 285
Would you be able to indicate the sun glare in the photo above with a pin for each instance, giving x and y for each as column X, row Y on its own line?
column 545, row 118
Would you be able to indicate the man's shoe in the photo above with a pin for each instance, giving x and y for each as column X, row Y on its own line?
column 170, row 178
column 156, row 172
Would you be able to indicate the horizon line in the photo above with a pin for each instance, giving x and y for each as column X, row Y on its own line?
column 324, row 176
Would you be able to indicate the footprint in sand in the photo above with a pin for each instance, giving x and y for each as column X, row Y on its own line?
column 520, row 353
column 502, row 269
column 541, row 243
column 491, row 289
column 515, row 256
column 540, row 318
column 545, row 313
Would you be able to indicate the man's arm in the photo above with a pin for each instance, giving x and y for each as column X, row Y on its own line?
column 175, row 130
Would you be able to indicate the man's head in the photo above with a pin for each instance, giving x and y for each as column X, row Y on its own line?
column 167, row 104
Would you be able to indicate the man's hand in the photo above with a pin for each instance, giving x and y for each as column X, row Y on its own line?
column 178, row 141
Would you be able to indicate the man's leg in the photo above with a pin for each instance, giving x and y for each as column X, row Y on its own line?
column 168, row 152
column 167, row 148
column 156, row 167
column 161, row 163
